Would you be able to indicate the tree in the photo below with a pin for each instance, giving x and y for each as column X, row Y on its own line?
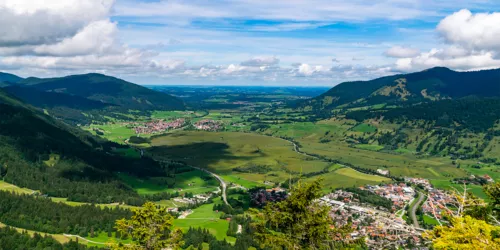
column 471, row 223
column 298, row 222
column 151, row 227
column 465, row 233
column 493, row 191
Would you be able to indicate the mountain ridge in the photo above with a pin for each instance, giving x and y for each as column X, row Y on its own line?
column 429, row 85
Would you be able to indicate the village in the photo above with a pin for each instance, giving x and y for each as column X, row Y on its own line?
column 160, row 126
column 381, row 227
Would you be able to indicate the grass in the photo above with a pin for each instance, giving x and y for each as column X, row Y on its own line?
column 53, row 160
column 205, row 217
column 347, row 177
column 369, row 147
column 192, row 181
column 430, row 220
column 103, row 238
column 12, row 188
column 364, row 128
column 447, row 185
column 221, row 152
column 115, row 132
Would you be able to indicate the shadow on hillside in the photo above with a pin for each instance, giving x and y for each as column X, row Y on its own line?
column 201, row 154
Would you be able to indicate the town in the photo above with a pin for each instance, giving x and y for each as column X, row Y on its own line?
column 160, row 126
column 380, row 223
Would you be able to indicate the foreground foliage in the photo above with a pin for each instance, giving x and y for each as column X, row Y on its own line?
column 151, row 227
column 298, row 222
column 473, row 223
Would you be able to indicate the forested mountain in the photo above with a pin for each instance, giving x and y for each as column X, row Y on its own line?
column 83, row 99
column 44, row 99
column 8, row 79
column 107, row 89
column 84, row 165
column 429, row 85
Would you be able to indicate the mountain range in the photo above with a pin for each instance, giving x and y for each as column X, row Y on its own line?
column 68, row 97
column 429, row 85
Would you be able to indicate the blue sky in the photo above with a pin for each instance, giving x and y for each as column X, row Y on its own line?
column 247, row 42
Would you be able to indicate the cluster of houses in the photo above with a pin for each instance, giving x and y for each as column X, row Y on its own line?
column 159, row 126
column 400, row 194
column 419, row 182
column 437, row 202
column 381, row 230
column 208, row 125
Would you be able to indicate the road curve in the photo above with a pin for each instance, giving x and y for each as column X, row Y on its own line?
column 414, row 209
column 222, row 183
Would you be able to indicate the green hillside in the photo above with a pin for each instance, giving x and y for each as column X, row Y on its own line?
column 429, row 85
column 40, row 153
column 107, row 89
column 8, row 79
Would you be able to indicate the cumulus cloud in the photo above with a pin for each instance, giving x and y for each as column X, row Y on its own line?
column 472, row 44
column 401, row 52
column 473, row 31
column 25, row 22
column 96, row 38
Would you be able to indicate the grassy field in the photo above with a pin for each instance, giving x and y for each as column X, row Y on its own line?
column 193, row 182
column 364, row 128
column 430, row 220
column 347, row 177
column 221, row 152
column 12, row 188
column 116, row 132
column 369, row 147
column 205, row 217
column 447, row 185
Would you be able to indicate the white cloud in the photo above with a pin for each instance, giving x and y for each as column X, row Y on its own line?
column 401, row 52
column 26, row 22
column 445, row 58
column 96, row 38
column 472, row 44
column 472, row 31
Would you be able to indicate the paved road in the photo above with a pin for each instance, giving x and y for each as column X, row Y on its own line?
column 414, row 209
column 222, row 183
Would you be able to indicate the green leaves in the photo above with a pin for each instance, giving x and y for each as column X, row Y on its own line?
column 299, row 222
column 151, row 227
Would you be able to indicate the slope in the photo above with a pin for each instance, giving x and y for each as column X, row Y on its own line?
column 53, row 99
column 7, row 79
column 428, row 85
column 85, row 166
column 107, row 89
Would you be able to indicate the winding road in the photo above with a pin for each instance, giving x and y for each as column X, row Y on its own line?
column 413, row 209
column 222, row 182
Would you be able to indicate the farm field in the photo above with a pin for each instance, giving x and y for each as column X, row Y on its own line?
column 205, row 217
column 347, row 177
column 447, row 185
column 326, row 138
column 195, row 182
column 258, row 158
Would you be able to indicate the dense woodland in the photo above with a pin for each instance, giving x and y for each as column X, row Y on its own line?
column 43, row 215
column 86, row 165
column 473, row 114
column 10, row 239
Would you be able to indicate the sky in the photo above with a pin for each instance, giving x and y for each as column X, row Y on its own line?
column 246, row 42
